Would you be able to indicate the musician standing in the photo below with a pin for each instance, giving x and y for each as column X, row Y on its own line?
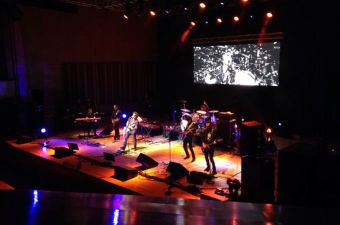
column 116, row 115
column 208, row 141
column 131, row 129
column 188, row 136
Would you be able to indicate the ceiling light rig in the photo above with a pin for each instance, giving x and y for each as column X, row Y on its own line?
column 199, row 10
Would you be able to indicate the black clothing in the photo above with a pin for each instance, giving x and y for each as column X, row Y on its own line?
column 116, row 115
column 187, row 140
column 208, row 140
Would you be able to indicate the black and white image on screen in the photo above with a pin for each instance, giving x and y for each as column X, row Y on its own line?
column 238, row 64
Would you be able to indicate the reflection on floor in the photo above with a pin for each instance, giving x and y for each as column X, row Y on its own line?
column 44, row 207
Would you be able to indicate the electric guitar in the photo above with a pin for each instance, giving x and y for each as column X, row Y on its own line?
column 131, row 125
column 189, row 129
column 114, row 121
column 205, row 145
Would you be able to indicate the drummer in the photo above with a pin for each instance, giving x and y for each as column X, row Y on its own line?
column 204, row 106
column 203, row 112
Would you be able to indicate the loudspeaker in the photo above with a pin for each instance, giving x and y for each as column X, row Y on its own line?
column 299, row 166
column 177, row 170
column 146, row 161
column 109, row 156
column 257, row 179
column 124, row 173
column 73, row 146
column 106, row 131
column 61, row 152
column 195, row 178
column 252, row 138
column 171, row 134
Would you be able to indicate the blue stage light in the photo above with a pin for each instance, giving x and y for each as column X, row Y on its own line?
column 124, row 115
column 43, row 130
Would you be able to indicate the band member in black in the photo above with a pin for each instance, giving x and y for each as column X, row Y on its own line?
column 208, row 141
column 91, row 125
column 116, row 115
column 131, row 129
column 188, row 136
column 204, row 106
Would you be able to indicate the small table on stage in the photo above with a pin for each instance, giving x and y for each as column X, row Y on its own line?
column 86, row 123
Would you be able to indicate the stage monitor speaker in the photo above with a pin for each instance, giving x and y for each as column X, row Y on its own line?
column 252, row 138
column 106, row 131
column 257, row 179
column 177, row 170
column 195, row 178
column 61, row 152
column 124, row 173
column 73, row 146
column 109, row 156
column 146, row 161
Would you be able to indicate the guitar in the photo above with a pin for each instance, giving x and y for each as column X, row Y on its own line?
column 131, row 125
column 189, row 129
column 213, row 143
column 114, row 121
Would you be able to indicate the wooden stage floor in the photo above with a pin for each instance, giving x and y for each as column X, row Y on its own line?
column 89, row 160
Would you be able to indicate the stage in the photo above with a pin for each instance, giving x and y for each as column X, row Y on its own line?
column 89, row 160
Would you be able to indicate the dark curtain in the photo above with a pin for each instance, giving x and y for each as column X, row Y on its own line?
column 107, row 83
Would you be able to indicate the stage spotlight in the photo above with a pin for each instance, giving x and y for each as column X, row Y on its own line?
column 269, row 15
column 242, row 119
column 43, row 130
column 192, row 23
column 206, row 22
column 236, row 18
column 152, row 13
column 124, row 116
column 268, row 134
column 279, row 124
column 219, row 20
column 125, row 17
column 222, row 3
column 202, row 5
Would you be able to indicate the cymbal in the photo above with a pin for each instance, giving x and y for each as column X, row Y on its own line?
column 185, row 110
column 201, row 112
column 204, row 116
column 186, row 114
column 213, row 111
column 226, row 113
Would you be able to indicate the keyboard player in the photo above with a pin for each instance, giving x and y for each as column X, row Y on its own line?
column 91, row 125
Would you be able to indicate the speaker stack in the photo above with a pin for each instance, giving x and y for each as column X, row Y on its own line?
column 252, row 138
column 257, row 179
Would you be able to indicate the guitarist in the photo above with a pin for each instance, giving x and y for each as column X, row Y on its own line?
column 116, row 115
column 208, row 142
column 131, row 129
column 188, row 134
